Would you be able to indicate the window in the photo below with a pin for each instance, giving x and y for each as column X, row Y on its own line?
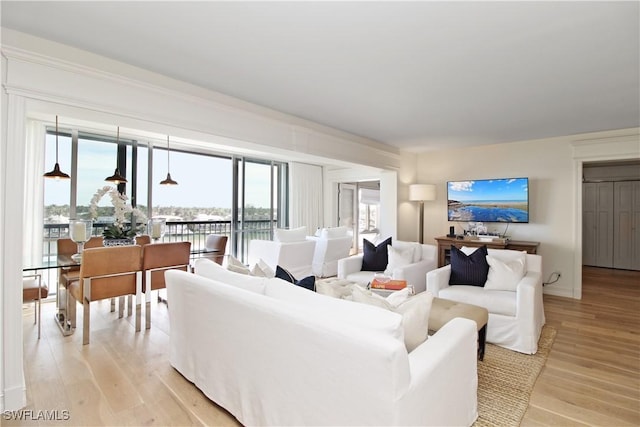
column 202, row 203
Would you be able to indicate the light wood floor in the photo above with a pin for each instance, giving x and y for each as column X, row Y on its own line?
column 592, row 376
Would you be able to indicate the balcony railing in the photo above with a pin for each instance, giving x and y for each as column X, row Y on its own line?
column 195, row 232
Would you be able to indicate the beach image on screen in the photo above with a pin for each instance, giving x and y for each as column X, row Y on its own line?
column 491, row 200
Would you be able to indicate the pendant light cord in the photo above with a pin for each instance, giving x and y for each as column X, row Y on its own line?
column 56, row 139
column 168, row 161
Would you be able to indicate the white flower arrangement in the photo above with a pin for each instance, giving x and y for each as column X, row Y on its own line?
column 119, row 229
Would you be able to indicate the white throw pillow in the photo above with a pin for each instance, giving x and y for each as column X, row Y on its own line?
column 333, row 232
column 504, row 275
column 212, row 270
column 234, row 264
column 414, row 311
column 335, row 288
column 415, row 318
column 398, row 258
column 262, row 269
column 417, row 248
column 398, row 297
column 292, row 235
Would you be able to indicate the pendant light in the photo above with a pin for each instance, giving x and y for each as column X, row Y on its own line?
column 116, row 178
column 56, row 173
column 168, row 180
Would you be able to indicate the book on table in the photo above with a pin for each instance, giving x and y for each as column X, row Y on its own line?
column 391, row 285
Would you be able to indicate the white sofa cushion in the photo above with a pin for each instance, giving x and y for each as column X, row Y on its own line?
column 290, row 235
column 504, row 275
column 414, row 310
column 498, row 302
column 207, row 268
column 342, row 310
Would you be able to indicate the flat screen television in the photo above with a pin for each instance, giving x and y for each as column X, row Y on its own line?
column 489, row 200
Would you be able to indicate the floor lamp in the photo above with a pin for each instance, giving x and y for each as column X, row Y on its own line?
column 421, row 193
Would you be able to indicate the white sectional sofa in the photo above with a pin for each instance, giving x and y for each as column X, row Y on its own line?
column 272, row 353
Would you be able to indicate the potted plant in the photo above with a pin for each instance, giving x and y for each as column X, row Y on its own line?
column 120, row 232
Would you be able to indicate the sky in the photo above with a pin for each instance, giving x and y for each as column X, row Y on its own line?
column 203, row 181
column 489, row 190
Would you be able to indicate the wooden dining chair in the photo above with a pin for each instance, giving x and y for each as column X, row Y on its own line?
column 34, row 289
column 142, row 240
column 107, row 272
column 156, row 259
column 217, row 244
column 68, row 247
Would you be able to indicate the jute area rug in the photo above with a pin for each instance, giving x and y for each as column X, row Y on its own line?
column 506, row 379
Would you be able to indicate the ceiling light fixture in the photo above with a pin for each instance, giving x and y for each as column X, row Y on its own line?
column 168, row 180
column 56, row 173
column 116, row 178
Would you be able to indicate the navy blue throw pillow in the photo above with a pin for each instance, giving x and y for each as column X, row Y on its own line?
column 307, row 282
column 469, row 269
column 375, row 258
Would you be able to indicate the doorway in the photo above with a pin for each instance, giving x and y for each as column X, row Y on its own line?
column 359, row 209
column 611, row 215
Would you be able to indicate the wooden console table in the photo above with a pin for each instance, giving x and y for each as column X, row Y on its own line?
column 444, row 246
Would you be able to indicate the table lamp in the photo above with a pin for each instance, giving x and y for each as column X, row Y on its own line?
column 422, row 193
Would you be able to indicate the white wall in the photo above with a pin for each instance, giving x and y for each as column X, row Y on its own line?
column 554, row 192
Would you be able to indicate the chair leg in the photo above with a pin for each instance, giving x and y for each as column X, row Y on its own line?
column 113, row 305
column 39, row 319
column 129, row 305
column 85, row 321
column 138, row 314
column 71, row 310
column 120, row 307
column 147, row 309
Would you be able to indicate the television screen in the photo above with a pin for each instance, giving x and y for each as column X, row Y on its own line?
column 489, row 200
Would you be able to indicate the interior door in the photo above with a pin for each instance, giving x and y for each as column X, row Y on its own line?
column 597, row 224
column 626, row 254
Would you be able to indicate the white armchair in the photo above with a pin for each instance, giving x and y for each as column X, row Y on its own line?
column 425, row 259
column 290, row 249
column 516, row 316
column 332, row 244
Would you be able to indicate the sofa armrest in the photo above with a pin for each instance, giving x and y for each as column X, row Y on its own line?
column 415, row 274
column 349, row 265
column 444, row 369
column 438, row 279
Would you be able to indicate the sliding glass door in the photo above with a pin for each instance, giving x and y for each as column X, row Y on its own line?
column 261, row 202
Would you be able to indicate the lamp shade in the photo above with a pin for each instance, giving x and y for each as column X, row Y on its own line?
column 422, row 192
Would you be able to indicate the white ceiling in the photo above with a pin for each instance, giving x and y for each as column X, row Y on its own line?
column 416, row 75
